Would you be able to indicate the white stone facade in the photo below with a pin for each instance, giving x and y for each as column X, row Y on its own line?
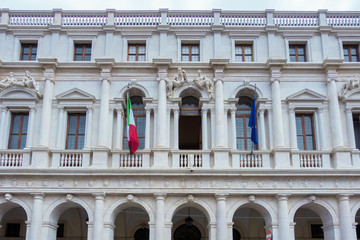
column 100, row 192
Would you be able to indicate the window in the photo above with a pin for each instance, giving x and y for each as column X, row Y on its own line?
column 317, row 231
column 140, row 120
column 18, row 130
column 356, row 120
column 82, row 52
column 75, row 131
column 305, row 132
column 351, row 53
column 136, row 52
column 243, row 131
column 243, row 53
column 190, row 52
column 190, row 124
column 28, row 51
column 12, row 230
column 297, row 53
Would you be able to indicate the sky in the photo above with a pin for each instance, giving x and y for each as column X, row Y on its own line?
column 301, row 5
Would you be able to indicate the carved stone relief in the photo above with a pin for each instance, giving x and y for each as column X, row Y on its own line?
column 27, row 82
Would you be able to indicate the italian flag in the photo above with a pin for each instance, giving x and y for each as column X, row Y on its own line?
column 133, row 140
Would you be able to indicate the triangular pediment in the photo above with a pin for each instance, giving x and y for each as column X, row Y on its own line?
column 75, row 94
column 18, row 93
column 306, row 95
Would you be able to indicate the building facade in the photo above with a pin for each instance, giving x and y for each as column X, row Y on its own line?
column 192, row 76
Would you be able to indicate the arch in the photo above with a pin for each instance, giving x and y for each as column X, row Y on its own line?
column 54, row 211
column 13, row 203
column 16, row 93
column 262, row 207
column 249, row 91
column 135, row 90
column 196, row 203
column 325, row 211
column 353, row 94
column 190, row 90
column 354, row 209
column 121, row 204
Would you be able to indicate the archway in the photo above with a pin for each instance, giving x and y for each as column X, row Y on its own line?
column 357, row 220
column 251, row 222
column 189, row 224
column 308, row 225
column 132, row 223
column 13, row 223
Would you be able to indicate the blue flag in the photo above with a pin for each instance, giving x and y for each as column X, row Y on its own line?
column 252, row 123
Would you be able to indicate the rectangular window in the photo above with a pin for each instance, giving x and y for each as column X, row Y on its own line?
column 12, row 230
column 317, row 231
column 190, row 52
column 28, row 51
column 305, row 132
column 244, row 53
column 136, row 52
column 356, row 120
column 297, row 52
column 82, row 52
column 18, row 130
column 351, row 53
column 75, row 136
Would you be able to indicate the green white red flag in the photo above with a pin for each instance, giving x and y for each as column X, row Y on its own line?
column 132, row 137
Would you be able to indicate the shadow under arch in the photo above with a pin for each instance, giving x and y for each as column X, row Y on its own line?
column 122, row 204
column 134, row 90
column 248, row 91
column 6, row 206
column 326, row 212
column 196, row 203
column 54, row 211
column 190, row 90
column 262, row 207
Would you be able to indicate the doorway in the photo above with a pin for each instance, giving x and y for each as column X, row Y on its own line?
column 190, row 124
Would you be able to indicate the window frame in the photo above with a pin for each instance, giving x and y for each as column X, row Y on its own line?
column 348, row 47
column 137, row 52
column 31, row 46
column 297, row 46
column 83, row 54
column 21, row 126
column 77, row 134
column 243, row 55
column 304, row 134
column 190, row 51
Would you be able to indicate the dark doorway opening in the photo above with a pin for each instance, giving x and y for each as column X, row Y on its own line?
column 190, row 132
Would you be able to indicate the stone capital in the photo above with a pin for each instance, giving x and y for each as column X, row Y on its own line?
column 160, row 196
column 282, row 197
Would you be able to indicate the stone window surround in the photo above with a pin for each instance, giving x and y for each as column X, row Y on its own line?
column 244, row 40
column 304, row 40
column 135, row 40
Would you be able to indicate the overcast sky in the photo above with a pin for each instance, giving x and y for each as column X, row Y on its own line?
column 331, row 5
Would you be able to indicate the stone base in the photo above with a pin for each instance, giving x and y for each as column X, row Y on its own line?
column 282, row 158
column 100, row 158
column 221, row 158
column 161, row 158
column 40, row 157
column 342, row 158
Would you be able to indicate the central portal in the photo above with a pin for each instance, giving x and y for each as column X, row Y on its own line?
column 190, row 124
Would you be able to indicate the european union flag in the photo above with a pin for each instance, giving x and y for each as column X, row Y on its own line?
column 252, row 123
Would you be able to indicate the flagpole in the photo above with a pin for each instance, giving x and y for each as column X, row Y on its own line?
column 252, row 143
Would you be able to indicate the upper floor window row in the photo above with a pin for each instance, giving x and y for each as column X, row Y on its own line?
column 28, row 51
column 351, row 53
column 297, row 53
column 82, row 52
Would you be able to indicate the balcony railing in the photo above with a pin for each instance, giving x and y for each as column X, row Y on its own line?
column 179, row 18
column 71, row 158
column 311, row 159
column 123, row 159
column 14, row 158
column 248, row 159
column 190, row 159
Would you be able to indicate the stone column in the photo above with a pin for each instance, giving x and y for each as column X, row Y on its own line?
column 28, row 229
column 168, row 116
column 219, row 115
column 147, row 127
column 204, row 111
column 45, row 129
column 212, row 120
column 30, row 129
column 88, row 127
column 271, row 142
column 98, row 216
column 233, row 128
column 104, row 112
column 278, row 127
column 226, row 130
column 60, row 130
column 346, row 228
column 160, row 216
column 4, row 120
column 161, row 118
column 350, row 127
column 262, row 129
column 36, row 216
column 321, row 128
column 334, row 110
column 119, row 127
column 221, row 224
column 283, row 216
column 176, row 128
column 293, row 135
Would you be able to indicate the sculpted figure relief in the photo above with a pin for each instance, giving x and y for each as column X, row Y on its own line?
column 8, row 81
column 28, row 81
column 179, row 80
column 351, row 84
column 203, row 82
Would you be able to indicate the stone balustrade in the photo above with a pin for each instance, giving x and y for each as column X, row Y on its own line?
column 178, row 18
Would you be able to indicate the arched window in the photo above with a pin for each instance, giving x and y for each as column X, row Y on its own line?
column 190, row 124
column 140, row 120
column 243, row 132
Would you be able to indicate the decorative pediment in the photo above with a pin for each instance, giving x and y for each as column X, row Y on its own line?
column 353, row 95
column 28, row 82
column 18, row 94
column 306, row 95
column 75, row 94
